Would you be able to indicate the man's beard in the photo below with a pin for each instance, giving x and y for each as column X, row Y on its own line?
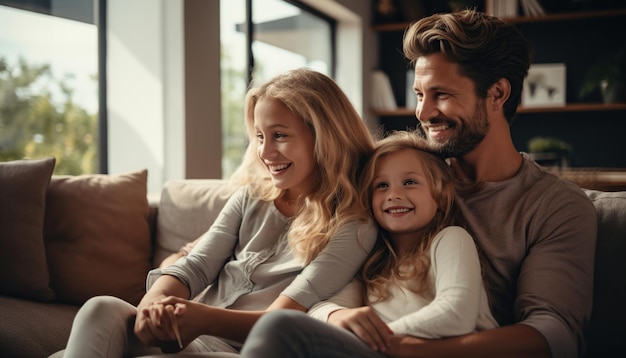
column 466, row 137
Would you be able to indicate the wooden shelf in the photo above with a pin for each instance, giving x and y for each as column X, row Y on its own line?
column 575, row 107
column 606, row 179
column 401, row 26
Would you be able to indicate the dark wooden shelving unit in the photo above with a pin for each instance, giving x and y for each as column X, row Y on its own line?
column 576, row 38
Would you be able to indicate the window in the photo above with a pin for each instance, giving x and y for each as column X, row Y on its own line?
column 285, row 35
column 49, row 100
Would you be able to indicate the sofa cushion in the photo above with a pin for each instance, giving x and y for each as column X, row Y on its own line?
column 97, row 236
column 33, row 329
column 186, row 210
column 607, row 327
column 23, row 185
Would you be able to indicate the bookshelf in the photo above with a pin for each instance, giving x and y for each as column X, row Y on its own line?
column 575, row 37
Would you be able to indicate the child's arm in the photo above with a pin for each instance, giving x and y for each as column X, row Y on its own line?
column 459, row 295
column 346, row 310
column 348, row 297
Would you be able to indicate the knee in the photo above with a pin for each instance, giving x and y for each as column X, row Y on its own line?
column 105, row 306
column 285, row 320
column 276, row 334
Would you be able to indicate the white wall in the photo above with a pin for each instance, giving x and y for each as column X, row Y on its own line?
column 145, row 88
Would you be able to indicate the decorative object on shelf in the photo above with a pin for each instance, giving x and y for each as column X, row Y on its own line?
column 544, row 86
column 382, row 93
column 609, row 76
column 385, row 11
column 549, row 151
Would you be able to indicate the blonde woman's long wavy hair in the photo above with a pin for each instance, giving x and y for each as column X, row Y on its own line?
column 384, row 264
column 342, row 146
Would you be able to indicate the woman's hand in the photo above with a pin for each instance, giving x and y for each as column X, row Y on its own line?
column 188, row 319
column 147, row 327
column 157, row 325
column 151, row 324
column 365, row 324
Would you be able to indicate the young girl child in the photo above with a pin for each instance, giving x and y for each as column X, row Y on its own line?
column 423, row 277
column 295, row 233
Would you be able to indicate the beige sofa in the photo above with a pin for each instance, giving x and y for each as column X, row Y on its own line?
column 96, row 228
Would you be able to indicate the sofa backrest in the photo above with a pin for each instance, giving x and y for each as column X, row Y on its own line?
column 187, row 208
column 608, row 320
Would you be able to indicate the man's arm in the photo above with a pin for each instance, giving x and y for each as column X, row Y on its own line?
column 511, row 341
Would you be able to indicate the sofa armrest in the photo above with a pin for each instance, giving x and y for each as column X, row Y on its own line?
column 607, row 328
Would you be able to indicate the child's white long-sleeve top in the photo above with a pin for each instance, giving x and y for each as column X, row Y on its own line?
column 454, row 303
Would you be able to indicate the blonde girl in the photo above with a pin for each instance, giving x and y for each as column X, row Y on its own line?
column 294, row 233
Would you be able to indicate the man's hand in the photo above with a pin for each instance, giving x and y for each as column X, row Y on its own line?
column 365, row 324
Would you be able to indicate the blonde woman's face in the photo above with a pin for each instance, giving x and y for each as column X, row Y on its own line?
column 401, row 197
column 285, row 145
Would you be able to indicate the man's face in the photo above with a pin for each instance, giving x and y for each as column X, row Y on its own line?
column 452, row 117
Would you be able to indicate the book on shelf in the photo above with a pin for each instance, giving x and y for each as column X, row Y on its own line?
column 382, row 93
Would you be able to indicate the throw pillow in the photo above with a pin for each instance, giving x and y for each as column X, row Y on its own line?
column 97, row 236
column 23, row 185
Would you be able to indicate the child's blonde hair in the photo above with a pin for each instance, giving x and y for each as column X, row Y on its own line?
column 342, row 146
column 384, row 264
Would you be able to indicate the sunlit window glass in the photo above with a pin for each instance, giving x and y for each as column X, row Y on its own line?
column 48, row 90
column 233, row 82
column 285, row 37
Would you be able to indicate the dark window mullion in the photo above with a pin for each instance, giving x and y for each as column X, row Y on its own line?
column 103, row 153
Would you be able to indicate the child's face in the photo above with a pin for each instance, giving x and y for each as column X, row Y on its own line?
column 401, row 197
column 286, row 147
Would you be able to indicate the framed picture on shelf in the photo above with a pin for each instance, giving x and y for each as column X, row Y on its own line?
column 544, row 86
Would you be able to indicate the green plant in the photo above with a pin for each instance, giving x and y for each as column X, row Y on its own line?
column 609, row 72
column 548, row 145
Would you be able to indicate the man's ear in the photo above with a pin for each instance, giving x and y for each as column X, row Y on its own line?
column 499, row 92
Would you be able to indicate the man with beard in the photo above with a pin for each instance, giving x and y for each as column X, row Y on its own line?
column 536, row 233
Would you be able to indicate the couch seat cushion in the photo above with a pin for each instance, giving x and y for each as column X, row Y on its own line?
column 33, row 329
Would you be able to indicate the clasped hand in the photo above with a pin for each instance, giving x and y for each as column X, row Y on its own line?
column 161, row 324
